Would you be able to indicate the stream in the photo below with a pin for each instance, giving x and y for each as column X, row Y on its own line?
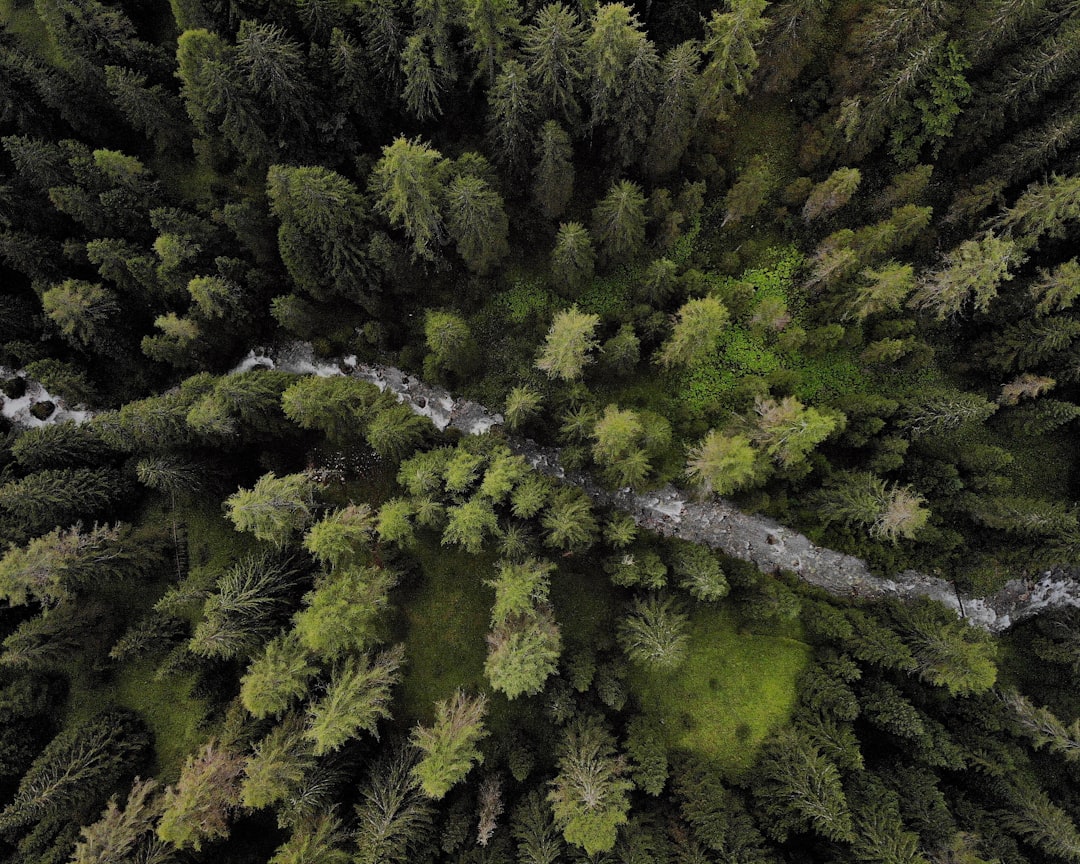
column 669, row 511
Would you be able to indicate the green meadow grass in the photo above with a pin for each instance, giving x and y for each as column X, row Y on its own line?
column 733, row 690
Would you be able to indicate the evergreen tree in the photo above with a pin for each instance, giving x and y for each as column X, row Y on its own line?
column 279, row 675
column 554, row 45
column 491, row 26
column 81, row 311
column 449, row 746
column 676, row 113
column 511, row 117
column 523, row 653
column 800, row 789
column 199, row 806
column 948, row 652
column 394, row 817
column 568, row 521
column 788, row 430
column 653, row 634
column 623, row 73
column 730, row 55
column 408, row 190
column 356, row 699
column 477, row 222
column 75, row 767
column 246, row 608
column 61, row 496
column 124, row 834
column 698, row 327
column 341, row 613
column 316, row 841
column 553, row 185
column 321, row 238
column 538, row 840
column 573, row 259
column 274, row 509
column 569, row 341
column 831, row 194
column 971, row 277
column 277, row 765
column 589, row 795
column 619, row 222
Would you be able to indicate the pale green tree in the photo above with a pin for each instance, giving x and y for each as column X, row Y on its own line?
column 569, row 342
column 408, row 187
column 589, row 796
column 449, row 746
column 698, row 326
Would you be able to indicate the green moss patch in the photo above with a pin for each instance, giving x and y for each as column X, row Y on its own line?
column 732, row 691
column 446, row 620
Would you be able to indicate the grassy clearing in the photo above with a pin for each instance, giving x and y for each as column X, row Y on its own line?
column 732, row 691
column 446, row 620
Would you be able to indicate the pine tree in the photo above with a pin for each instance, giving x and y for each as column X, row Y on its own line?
column 356, row 699
column 553, row 185
column 477, row 222
column 423, row 80
column 698, row 327
column 276, row 677
column 555, row 47
column 589, row 795
column 653, row 634
column 393, row 818
column 340, row 538
column 61, row 445
column 337, row 406
column 619, row 222
column 449, row 746
column 730, row 54
column 679, row 86
column 275, row 70
column 61, row 496
column 274, row 509
column 51, row 568
column 800, row 789
column 1047, row 827
column 408, row 190
column 787, row 430
column 199, row 806
column 152, row 110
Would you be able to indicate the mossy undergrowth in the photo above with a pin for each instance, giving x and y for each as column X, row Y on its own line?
column 732, row 691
